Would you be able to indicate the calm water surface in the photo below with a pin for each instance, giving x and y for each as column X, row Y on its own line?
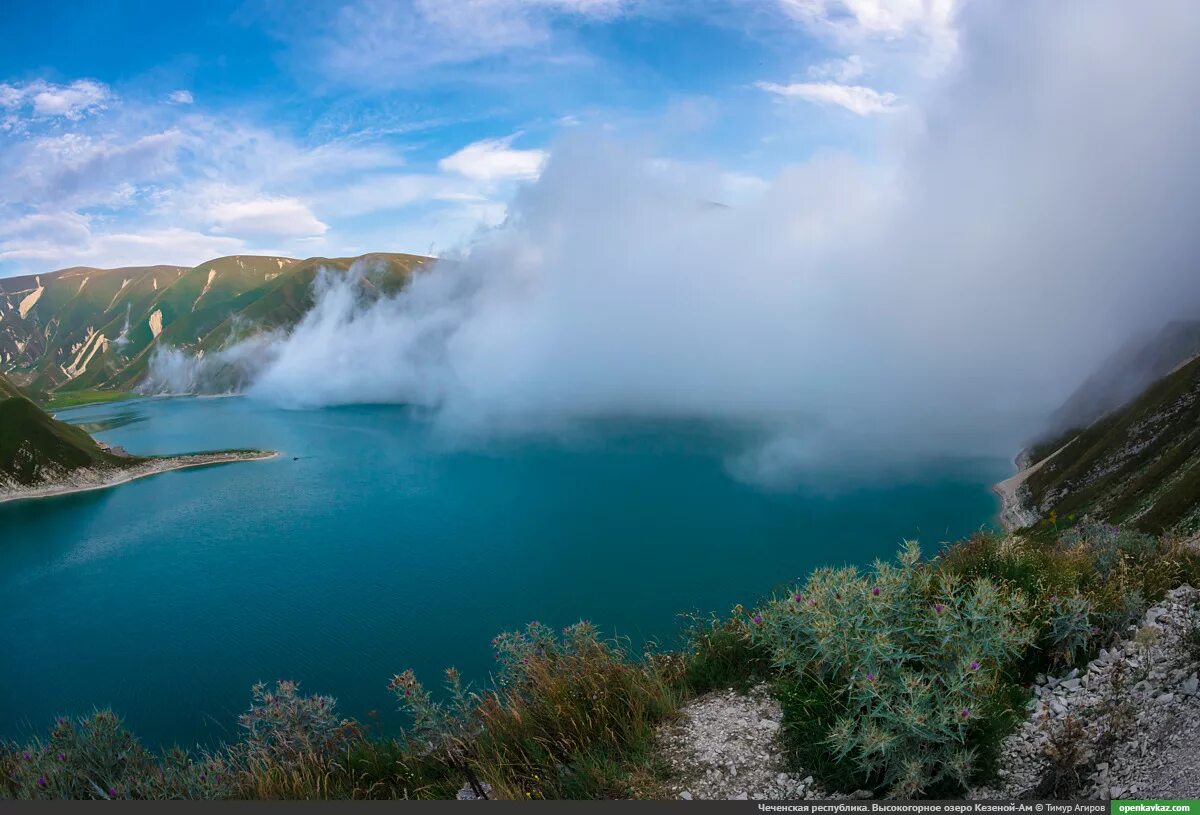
column 371, row 546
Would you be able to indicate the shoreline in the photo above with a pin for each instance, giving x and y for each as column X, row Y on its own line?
column 92, row 480
column 1013, row 512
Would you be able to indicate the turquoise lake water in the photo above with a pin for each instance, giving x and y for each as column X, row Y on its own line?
column 381, row 548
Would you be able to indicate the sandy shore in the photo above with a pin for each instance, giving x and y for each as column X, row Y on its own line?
column 1013, row 512
column 100, row 479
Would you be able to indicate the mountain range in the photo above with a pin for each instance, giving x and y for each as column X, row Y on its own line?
column 84, row 328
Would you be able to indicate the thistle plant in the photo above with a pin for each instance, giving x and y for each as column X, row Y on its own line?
column 1107, row 545
column 444, row 729
column 96, row 757
column 914, row 657
column 287, row 729
column 1070, row 629
column 557, row 696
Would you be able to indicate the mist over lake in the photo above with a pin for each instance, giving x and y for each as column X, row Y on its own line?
column 374, row 544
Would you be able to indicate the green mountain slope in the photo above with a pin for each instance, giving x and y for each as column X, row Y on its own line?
column 1138, row 465
column 84, row 328
column 1127, row 373
column 36, row 448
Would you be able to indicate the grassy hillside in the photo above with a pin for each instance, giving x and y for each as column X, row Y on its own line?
column 1138, row 465
column 35, row 447
column 84, row 329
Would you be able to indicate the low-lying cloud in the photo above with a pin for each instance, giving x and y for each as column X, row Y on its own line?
column 1036, row 209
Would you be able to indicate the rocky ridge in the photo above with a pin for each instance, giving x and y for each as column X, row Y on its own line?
column 1125, row 727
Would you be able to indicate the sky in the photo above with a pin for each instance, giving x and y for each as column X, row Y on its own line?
column 886, row 228
column 338, row 128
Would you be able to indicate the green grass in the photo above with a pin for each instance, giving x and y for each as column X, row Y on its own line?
column 32, row 442
column 69, row 399
column 1139, row 465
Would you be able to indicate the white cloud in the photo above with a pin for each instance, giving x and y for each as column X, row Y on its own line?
column 57, row 227
column 86, row 170
column 180, row 97
column 11, row 96
column 839, row 70
column 888, row 19
column 276, row 217
column 40, row 100
column 494, row 160
column 391, row 191
column 394, row 43
column 145, row 247
column 920, row 35
column 71, row 101
column 857, row 99
column 860, row 310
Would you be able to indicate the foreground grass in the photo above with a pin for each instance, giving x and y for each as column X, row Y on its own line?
column 70, row 399
column 902, row 679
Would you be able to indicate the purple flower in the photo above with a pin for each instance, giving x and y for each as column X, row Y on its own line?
column 875, row 591
column 62, row 756
column 757, row 619
column 974, row 666
column 966, row 712
column 41, row 780
column 26, row 755
column 938, row 607
column 798, row 597
column 112, row 791
column 870, row 677
column 1054, row 598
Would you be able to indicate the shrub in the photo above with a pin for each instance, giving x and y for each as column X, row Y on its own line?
column 1107, row 544
column 571, row 715
column 1117, row 573
column 97, row 757
column 287, row 728
column 1066, row 751
column 290, row 742
column 905, row 664
column 720, row 653
column 1069, row 630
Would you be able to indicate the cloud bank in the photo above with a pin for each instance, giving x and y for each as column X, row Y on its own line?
column 1036, row 209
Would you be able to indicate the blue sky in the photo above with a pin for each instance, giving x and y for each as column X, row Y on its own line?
column 339, row 128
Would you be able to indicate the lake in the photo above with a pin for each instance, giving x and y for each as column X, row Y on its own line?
column 372, row 545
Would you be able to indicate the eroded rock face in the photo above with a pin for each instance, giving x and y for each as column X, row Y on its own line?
column 1134, row 715
column 725, row 746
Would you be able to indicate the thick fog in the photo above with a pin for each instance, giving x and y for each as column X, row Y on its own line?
column 1028, row 214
